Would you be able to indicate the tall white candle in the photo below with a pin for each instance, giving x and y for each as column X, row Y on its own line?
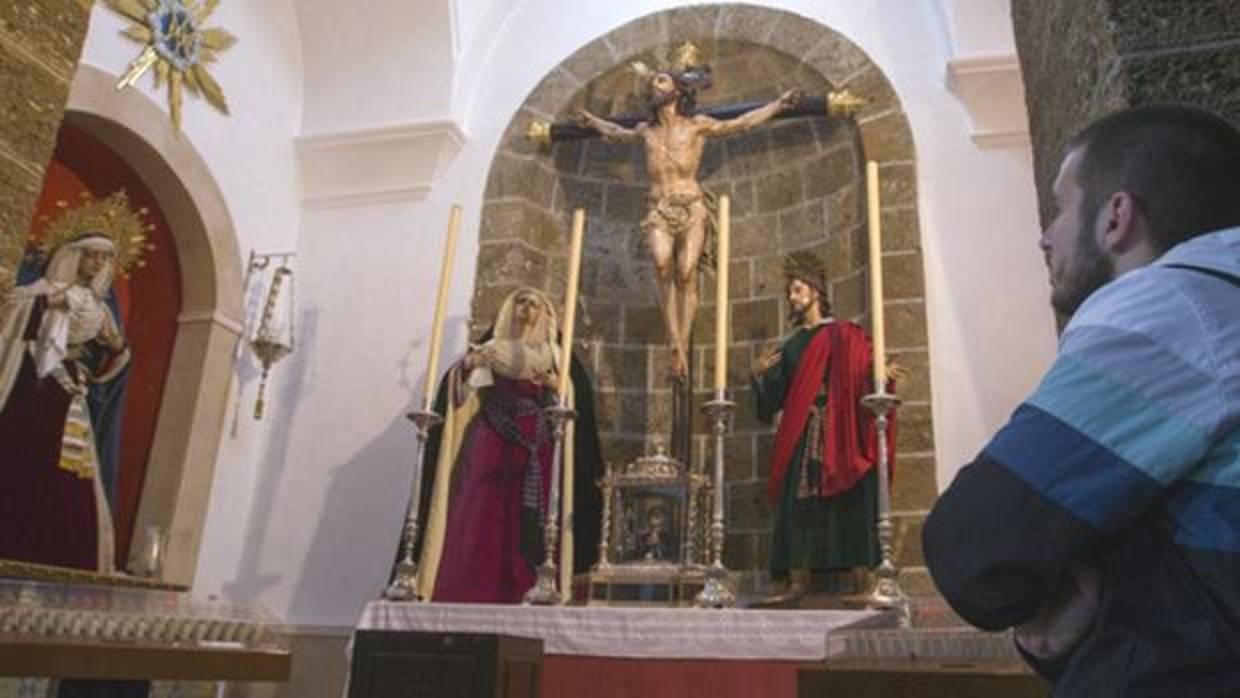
column 721, row 293
column 441, row 302
column 877, row 331
column 570, row 302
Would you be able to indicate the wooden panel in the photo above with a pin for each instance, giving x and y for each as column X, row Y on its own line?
column 102, row 660
column 399, row 664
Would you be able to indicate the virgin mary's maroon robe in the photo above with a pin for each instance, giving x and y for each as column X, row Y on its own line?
column 483, row 558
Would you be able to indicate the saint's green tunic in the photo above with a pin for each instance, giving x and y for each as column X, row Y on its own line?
column 810, row 531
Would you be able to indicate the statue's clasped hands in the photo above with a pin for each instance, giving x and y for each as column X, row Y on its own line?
column 549, row 378
column 479, row 355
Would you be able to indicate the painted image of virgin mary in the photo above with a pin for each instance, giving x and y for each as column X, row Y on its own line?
column 63, row 361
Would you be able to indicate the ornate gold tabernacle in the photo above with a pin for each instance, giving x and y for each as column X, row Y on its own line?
column 651, row 551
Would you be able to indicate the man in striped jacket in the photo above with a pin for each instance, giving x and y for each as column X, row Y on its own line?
column 1103, row 521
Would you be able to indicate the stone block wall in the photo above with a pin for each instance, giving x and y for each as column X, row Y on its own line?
column 1084, row 59
column 795, row 184
column 40, row 43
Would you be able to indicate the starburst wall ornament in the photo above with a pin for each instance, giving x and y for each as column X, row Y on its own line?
column 177, row 47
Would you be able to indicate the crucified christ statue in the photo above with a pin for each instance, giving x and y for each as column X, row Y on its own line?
column 676, row 218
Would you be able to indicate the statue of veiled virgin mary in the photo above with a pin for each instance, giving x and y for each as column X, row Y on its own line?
column 492, row 463
column 63, row 358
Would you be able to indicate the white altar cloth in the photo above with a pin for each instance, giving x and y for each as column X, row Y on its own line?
column 655, row 633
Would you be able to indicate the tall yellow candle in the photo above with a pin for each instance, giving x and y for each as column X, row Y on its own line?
column 721, row 294
column 877, row 331
column 441, row 302
column 570, row 302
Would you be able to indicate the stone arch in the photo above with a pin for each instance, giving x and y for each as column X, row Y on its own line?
column 795, row 185
column 191, row 415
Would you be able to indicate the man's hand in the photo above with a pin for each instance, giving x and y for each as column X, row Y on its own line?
column 789, row 99
column 1065, row 618
column 895, row 370
column 583, row 117
column 768, row 359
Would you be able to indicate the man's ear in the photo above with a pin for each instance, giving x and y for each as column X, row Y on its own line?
column 1121, row 222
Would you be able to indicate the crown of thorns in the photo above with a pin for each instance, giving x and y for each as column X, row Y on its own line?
column 807, row 267
column 684, row 63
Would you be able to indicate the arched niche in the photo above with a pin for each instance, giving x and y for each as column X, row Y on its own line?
column 190, row 419
column 796, row 184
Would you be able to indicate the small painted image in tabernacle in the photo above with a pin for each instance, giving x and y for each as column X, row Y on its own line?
column 650, row 532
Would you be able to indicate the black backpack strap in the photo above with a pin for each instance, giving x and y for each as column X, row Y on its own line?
column 1229, row 278
column 1221, row 620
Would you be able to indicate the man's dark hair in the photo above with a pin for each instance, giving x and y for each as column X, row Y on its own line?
column 1180, row 163
column 809, row 269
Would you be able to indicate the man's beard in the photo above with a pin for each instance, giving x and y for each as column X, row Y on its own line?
column 797, row 315
column 658, row 99
column 1090, row 271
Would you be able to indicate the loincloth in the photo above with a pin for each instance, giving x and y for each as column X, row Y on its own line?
column 674, row 212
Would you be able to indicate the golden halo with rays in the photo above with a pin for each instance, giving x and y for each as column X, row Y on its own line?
column 111, row 216
column 177, row 46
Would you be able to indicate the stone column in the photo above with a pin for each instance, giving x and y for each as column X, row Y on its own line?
column 40, row 43
column 1084, row 59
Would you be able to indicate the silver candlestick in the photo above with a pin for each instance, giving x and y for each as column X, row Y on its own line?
column 887, row 593
column 404, row 586
column 604, row 539
column 717, row 593
column 545, row 591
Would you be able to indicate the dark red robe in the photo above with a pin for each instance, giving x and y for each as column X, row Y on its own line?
column 840, row 353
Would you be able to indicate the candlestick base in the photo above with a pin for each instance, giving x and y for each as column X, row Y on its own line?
column 405, row 582
column 888, row 596
column 404, row 586
column 545, row 591
column 717, row 593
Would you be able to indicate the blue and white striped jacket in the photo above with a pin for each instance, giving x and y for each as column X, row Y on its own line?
column 1125, row 458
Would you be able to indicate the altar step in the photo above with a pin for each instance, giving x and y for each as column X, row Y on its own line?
column 847, row 590
column 940, row 656
column 916, row 678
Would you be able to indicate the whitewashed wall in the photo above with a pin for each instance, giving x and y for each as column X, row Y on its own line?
column 404, row 104
column 252, row 158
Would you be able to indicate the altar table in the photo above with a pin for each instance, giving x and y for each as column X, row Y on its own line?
column 646, row 652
